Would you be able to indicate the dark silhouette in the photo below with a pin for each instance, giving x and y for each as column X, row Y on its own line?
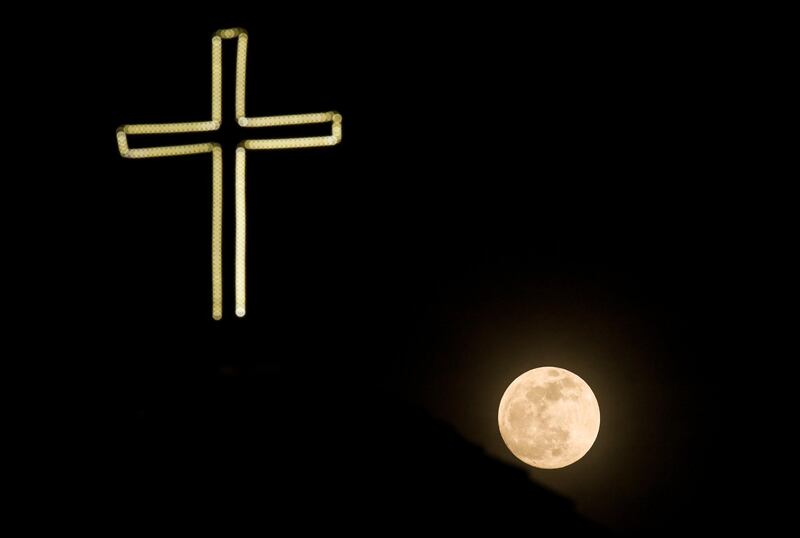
column 230, row 452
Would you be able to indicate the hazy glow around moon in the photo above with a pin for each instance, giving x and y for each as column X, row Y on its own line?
column 549, row 417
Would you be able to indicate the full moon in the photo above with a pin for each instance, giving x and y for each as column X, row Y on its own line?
column 549, row 417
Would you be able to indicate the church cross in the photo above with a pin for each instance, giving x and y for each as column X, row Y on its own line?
column 216, row 156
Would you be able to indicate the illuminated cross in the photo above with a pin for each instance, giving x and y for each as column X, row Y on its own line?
column 216, row 156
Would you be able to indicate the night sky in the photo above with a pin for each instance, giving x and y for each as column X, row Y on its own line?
column 510, row 193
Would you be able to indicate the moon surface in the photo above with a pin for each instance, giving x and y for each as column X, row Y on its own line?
column 549, row 417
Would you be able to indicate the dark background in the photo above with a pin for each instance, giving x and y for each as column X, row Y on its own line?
column 561, row 189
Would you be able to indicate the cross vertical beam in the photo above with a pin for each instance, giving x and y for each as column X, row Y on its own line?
column 241, row 231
